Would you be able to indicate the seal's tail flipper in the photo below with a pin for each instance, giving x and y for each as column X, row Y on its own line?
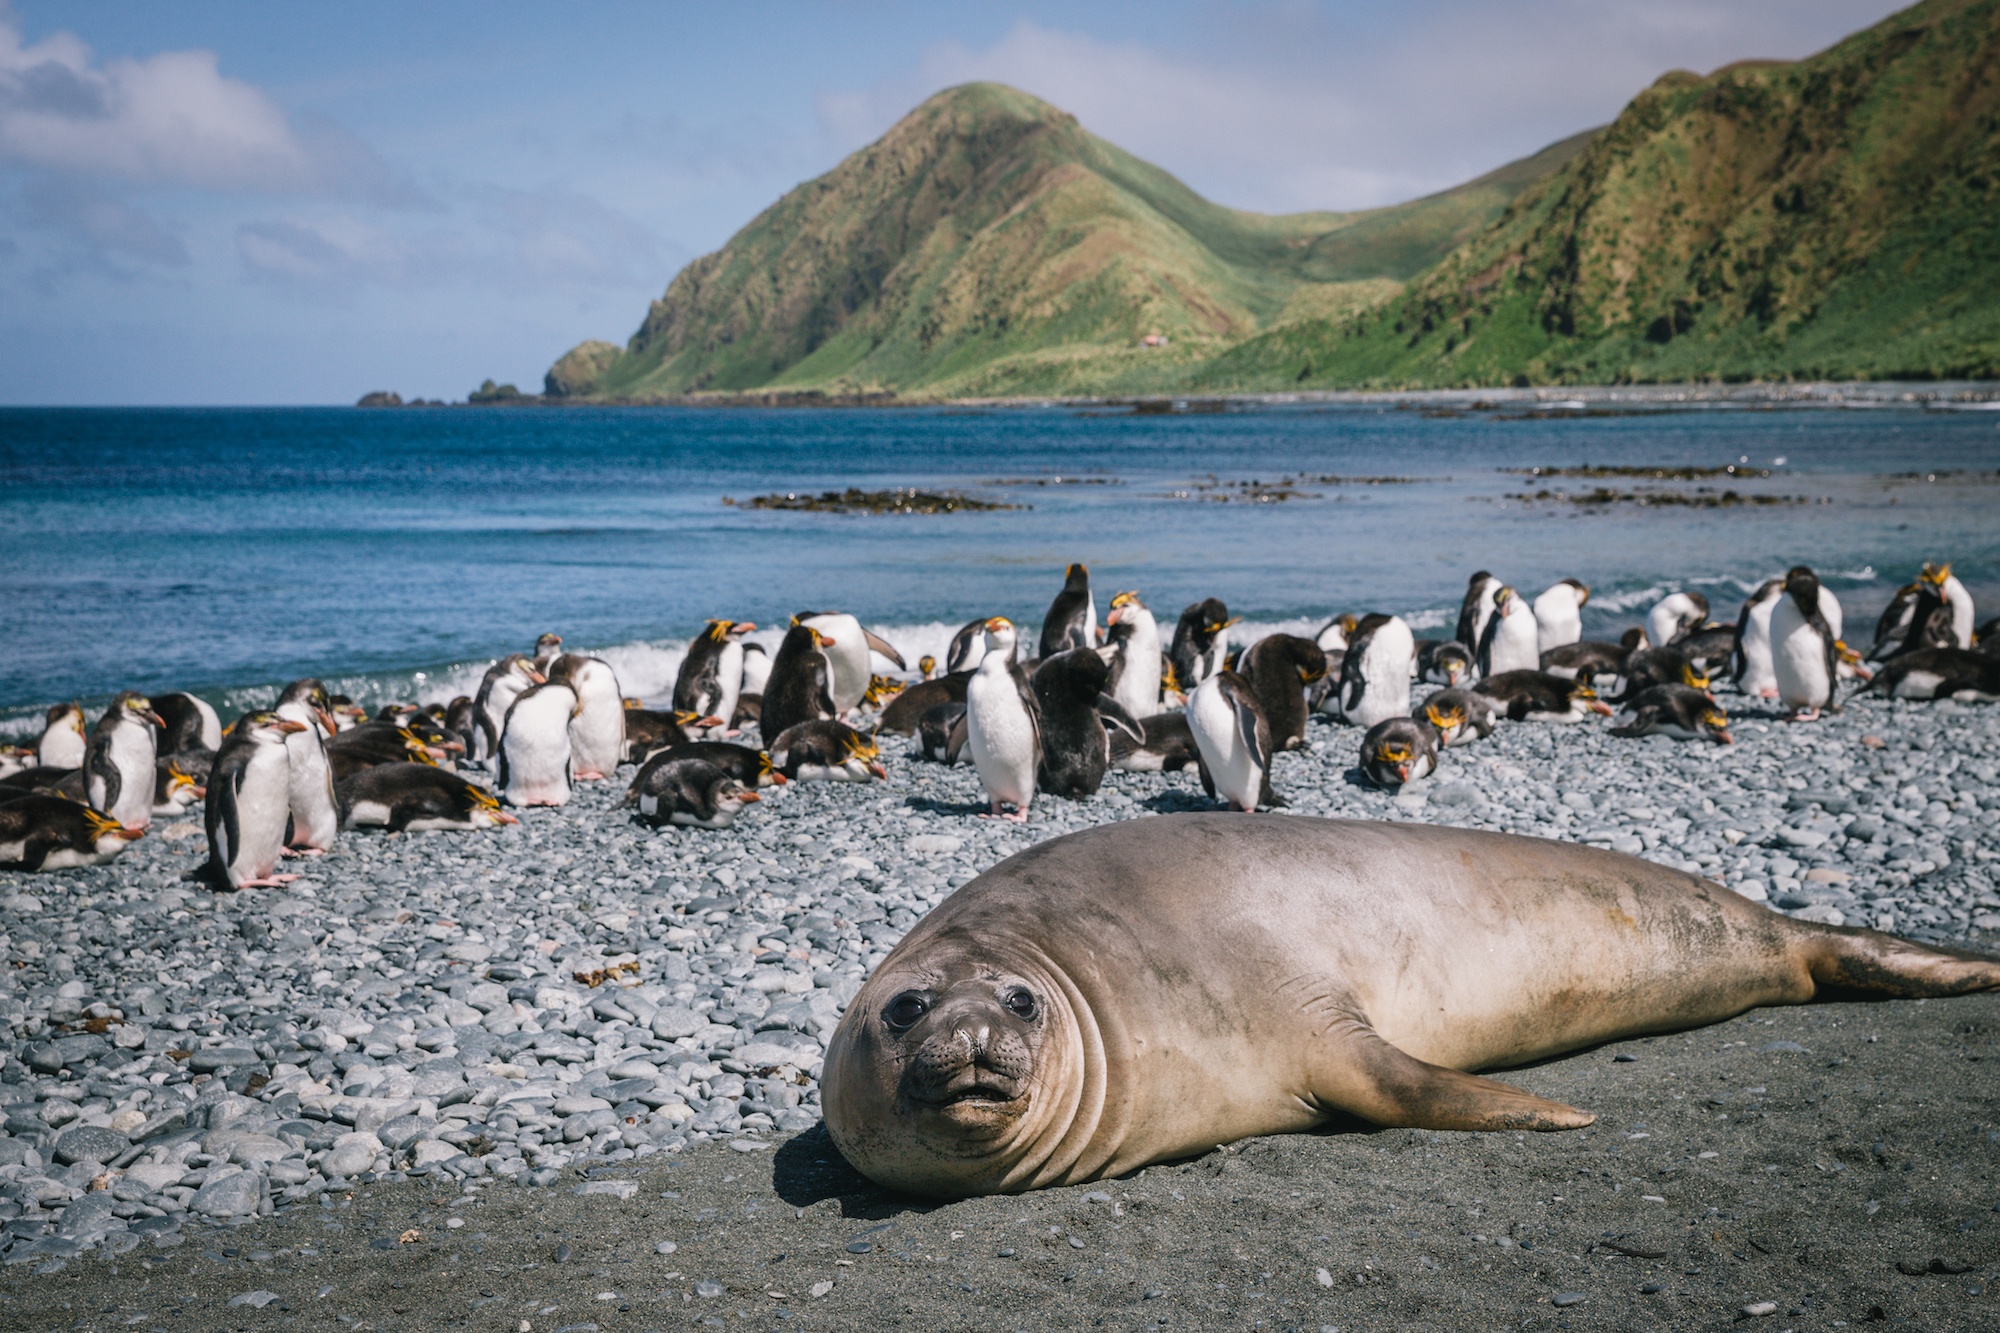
column 1367, row 1077
column 1848, row 961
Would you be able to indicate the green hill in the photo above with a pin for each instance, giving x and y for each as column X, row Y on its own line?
column 987, row 245
column 1834, row 218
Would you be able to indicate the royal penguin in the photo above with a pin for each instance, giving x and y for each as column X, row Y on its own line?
column 1710, row 649
column 847, row 650
column 373, row 743
column 647, row 732
column 120, row 766
column 1002, row 731
column 1076, row 713
column 1559, row 614
column 1200, row 645
column 15, row 759
column 823, row 750
column 711, row 675
column 801, row 684
column 175, row 790
column 752, row 768
column 1444, row 662
column 1602, row 664
column 187, row 723
column 1661, row 666
column 1536, row 696
column 1072, row 618
column 1940, row 614
column 1475, row 609
column 459, row 720
column 968, row 645
column 1139, row 664
column 1399, row 750
column 505, row 681
column 547, row 649
column 927, row 667
column 249, row 804
column 597, row 732
column 1940, row 673
column 40, row 833
column 1679, row 711
column 1232, row 741
column 536, row 764
column 1804, row 655
column 1334, row 634
column 941, row 733
column 756, row 670
column 1166, row 745
column 1281, row 669
column 1675, row 616
column 907, row 710
column 691, row 792
column 417, row 798
column 64, row 738
column 1459, row 715
column 1511, row 635
column 315, row 812
column 1375, row 673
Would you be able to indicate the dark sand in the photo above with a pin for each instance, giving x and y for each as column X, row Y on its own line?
column 1852, row 1182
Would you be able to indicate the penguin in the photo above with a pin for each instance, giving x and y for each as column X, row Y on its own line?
column 1458, row 715
column 847, row 648
column 120, row 765
column 373, row 743
column 459, row 722
column 174, row 788
column 1232, row 742
column 505, row 681
column 1804, row 658
column 648, row 732
column 66, row 782
column 749, row 714
column 1894, row 623
column 1280, row 669
column 1536, row 696
column 881, row 689
column 1446, row 663
column 1002, row 731
column 926, row 667
column 315, row 812
column 968, row 645
column 1399, row 750
column 547, row 649
column 1375, row 674
column 42, row 833
column 597, row 731
column 536, row 766
column 1334, row 634
column 1167, row 746
column 750, row 767
column 1940, row 614
column 756, row 670
column 1940, row 673
column 249, row 801
column 1072, row 618
column 1593, row 661
column 63, row 738
column 1559, row 614
column 189, row 723
column 15, row 759
column 1476, row 609
column 711, row 675
column 823, row 750
column 1753, row 672
column 693, row 793
column 1136, row 670
column 907, row 710
column 417, row 798
column 426, row 727
column 1201, row 642
column 1510, row 638
column 1986, row 639
column 1676, row 616
column 1710, row 649
column 1661, row 666
column 801, row 684
column 1679, row 711
column 1076, row 713
column 941, row 733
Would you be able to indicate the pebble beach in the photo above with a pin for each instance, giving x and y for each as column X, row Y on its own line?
column 515, row 1006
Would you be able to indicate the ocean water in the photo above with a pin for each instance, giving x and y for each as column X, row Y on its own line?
column 395, row 552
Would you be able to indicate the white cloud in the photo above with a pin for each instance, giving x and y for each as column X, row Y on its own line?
column 171, row 119
column 1297, row 106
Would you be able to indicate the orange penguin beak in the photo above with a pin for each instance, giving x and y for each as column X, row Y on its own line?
column 131, row 834
column 1599, row 706
column 751, row 798
column 287, row 726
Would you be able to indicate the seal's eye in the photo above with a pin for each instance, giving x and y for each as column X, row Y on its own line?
column 904, row 1011
column 1021, row 1003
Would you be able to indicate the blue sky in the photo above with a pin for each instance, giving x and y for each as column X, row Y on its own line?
column 258, row 203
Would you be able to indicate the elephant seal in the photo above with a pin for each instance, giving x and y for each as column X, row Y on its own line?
column 1145, row 991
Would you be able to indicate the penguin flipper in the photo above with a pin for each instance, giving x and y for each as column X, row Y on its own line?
column 954, row 744
column 1115, row 717
column 885, row 648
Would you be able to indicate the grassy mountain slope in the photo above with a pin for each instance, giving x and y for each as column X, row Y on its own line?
column 988, row 245
column 1838, row 217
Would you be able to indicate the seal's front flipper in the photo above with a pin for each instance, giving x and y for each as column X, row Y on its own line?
column 1367, row 1077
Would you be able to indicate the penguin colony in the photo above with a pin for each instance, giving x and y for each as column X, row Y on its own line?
column 287, row 782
